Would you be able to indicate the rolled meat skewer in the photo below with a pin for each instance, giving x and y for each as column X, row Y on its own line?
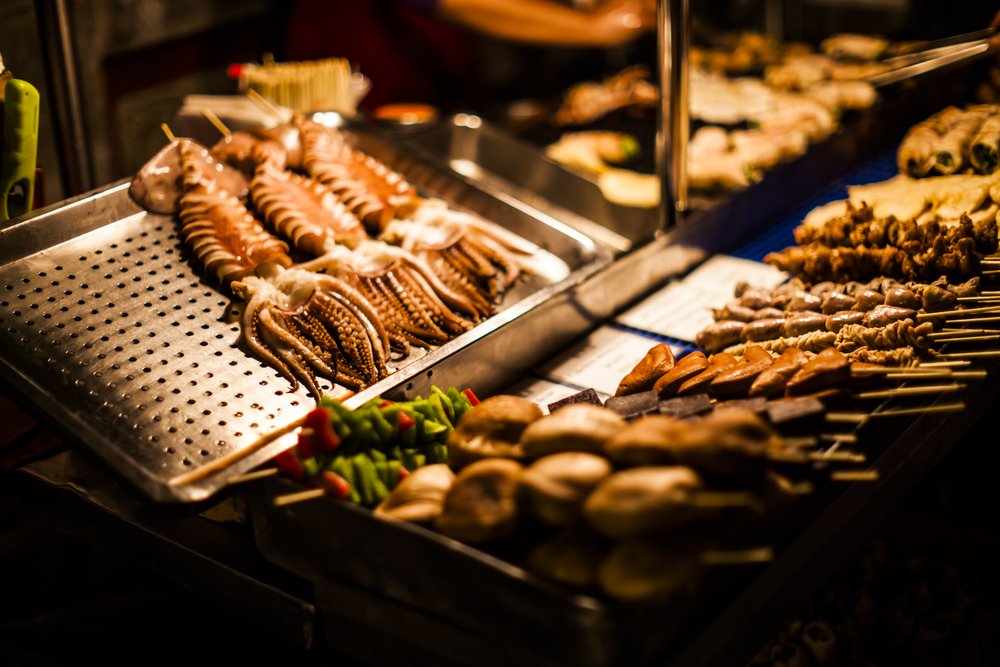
column 953, row 147
column 916, row 152
column 984, row 154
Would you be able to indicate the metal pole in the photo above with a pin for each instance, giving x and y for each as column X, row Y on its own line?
column 66, row 104
column 673, row 122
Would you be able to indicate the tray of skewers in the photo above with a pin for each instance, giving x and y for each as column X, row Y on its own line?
column 253, row 277
column 611, row 524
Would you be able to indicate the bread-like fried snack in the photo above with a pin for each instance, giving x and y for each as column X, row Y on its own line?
column 650, row 368
column 637, row 570
column 771, row 382
column 554, row 487
column 493, row 428
column 571, row 557
column 689, row 366
column 419, row 498
column 647, row 441
column 481, row 505
column 575, row 428
column 645, row 501
column 700, row 383
column 829, row 368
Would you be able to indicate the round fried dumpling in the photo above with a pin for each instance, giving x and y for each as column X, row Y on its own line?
column 419, row 498
column 575, row 428
column 481, row 504
column 645, row 501
column 554, row 487
column 492, row 429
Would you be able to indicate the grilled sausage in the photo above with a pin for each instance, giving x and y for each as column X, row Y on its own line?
column 836, row 301
column 762, row 329
column 881, row 316
column 719, row 335
column 803, row 300
column 802, row 323
column 837, row 321
column 866, row 299
column 901, row 296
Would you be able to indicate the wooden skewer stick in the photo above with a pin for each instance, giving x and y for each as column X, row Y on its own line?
column 968, row 339
column 216, row 122
column 228, row 460
column 847, row 417
column 943, row 374
column 927, row 409
column 166, row 131
column 975, row 320
column 959, row 312
column 948, row 333
column 945, row 364
column 738, row 557
column 724, row 499
column 264, row 103
column 969, row 375
column 800, row 442
column 844, row 438
column 298, row 497
column 894, row 370
column 977, row 299
column 850, row 457
column 251, row 476
column 990, row 262
column 911, row 391
column 981, row 354
column 991, row 272
column 854, row 475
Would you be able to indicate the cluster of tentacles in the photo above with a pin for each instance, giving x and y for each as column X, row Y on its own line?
column 358, row 302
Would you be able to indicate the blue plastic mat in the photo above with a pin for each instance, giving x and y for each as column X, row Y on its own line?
column 779, row 235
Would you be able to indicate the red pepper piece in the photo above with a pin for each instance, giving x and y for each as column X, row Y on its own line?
column 385, row 404
column 323, row 438
column 403, row 474
column 289, row 464
column 405, row 421
column 472, row 397
column 335, row 485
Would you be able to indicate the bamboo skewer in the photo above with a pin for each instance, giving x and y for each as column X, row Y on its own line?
column 738, row 557
column 846, row 438
column 216, row 122
column 947, row 333
column 981, row 354
column 228, row 460
column 854, row 475
column 263, row 473
column 959, row 312
column 266, row 105
column 927, row 409
column 975, row 320
column 298, row 497
column 911, row 391
column 167, row 131
column 968, row 339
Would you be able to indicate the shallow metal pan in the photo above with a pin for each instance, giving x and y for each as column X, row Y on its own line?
column 107, row 327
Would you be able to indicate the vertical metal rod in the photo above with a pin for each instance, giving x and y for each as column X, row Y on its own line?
column 673, row 122
column 66, row 105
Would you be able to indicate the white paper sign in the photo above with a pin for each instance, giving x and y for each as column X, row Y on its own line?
column 683, row 308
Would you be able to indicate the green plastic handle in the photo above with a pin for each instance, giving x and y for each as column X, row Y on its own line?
column 20, row 149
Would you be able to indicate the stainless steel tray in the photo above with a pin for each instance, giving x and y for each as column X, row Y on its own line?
column 107, row 327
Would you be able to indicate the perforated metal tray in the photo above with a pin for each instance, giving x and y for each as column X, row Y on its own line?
column 109, row 329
